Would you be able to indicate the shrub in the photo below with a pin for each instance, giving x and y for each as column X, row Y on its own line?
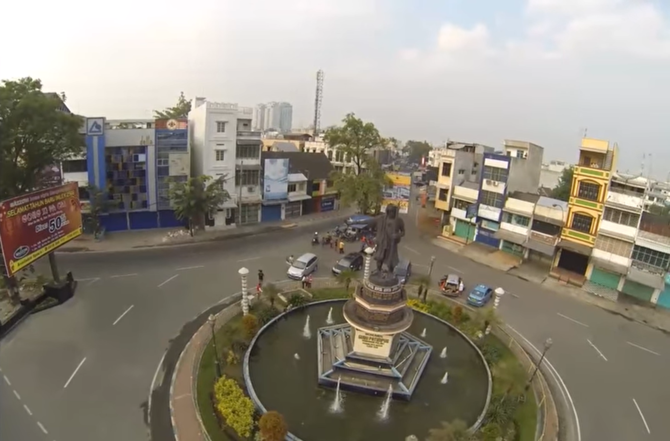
column 491, row 432
column 234, row 406
column 296, row 300
column 239, row 346
column 501, row 410
column 266, row 314
column 458, row 314
column 272, row 426
column 232, row 359
column 250, row 326
column 418, row 305
column 490, row 352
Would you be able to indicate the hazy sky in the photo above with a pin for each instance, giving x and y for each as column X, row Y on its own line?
column 468, row 70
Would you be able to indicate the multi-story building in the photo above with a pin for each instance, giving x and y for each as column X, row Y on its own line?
column 551, row 173
column 224, row 146
column 591, row 180
column 273, row 116
column 258, row 117
column 517, row 168
column 648, row 279
column 516, row 221
column 618, row 229
column 548, row 220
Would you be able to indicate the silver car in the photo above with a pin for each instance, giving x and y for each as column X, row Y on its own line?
column 303, row 266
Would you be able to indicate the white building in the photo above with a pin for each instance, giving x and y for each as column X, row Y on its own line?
column 551, row 173
column 223, row 145
column 273, row 116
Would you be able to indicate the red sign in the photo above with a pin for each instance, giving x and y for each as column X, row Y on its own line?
column 35, row 224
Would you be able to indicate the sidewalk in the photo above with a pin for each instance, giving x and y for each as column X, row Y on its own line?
column 162, row 237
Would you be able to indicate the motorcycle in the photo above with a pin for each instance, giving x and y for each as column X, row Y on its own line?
column 315, row 241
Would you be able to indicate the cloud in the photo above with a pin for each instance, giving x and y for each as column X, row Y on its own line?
column 452, row 38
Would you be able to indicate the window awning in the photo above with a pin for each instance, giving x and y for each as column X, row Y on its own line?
column 296, row 177
column 575, row 247
column 549, row 220
column 541, row 247
column 274, row 202
column 511, row 236
column 248, row 166
column 646, row 278
column 298, row 197
column 608, row 265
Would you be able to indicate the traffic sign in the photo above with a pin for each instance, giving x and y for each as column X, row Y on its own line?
column 95, row 126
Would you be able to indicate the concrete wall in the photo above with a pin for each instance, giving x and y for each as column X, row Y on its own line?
column 525, row 173
column 519, row 206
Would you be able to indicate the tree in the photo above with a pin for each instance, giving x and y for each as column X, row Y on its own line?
column 345, row 277
column 417, row 150
column 454, row 431
column 355, row 139
column 365, row 190
column 424, row 282
column 270, row 291
column 180, row 110
column 562, row 190
column 197, row 197
column 99, row 205
column 272, row 426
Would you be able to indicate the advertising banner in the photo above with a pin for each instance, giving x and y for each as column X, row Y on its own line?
column 399, row 192
column 275, row 179
column 35, row 224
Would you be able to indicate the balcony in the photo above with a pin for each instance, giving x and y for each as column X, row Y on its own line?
column 497, row 163
column 609, row 261
column 466, row 193
column 653, row 241
column 574, row 235
column 461, row 214
column 617, row 230
column 625, row 200
column 493, row 186
column 488, row 212
column 646, row 274
column 247, row 134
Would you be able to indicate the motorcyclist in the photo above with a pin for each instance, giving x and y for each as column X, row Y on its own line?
column 315, row 239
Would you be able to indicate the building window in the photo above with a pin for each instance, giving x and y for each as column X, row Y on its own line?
column 461, row 205
column 446, row 169
column 330, row 155
column 651, row 257
column 588, row 191
column 520, row 154
column 74, row 166
column 221, row 126
column 248, row 151
column 220, row 155
column 247, row 177
column 248, row 214
column 516, row 219
column 614, row 246
column 495, row 173
column 492, row 199
column 316, row 187
column 292, row 188
column 329, row 183
column 621, row 217
column 443, row 194
column 582, row 222
column 545, row 228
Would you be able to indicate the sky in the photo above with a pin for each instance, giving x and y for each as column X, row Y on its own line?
column 543, row 71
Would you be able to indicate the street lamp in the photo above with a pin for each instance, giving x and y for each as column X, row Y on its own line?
column 562, row 211
column 547, row 344
column 212, row 322
column 432, row 262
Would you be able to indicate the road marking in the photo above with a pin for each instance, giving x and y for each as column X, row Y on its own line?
column 122, row 275
column 644, row 349
column 16, row 394
column 88, row 279
column 249, row 259
column 42, row 428
column 597, row 350
column 554, row 373
column 644, row 420
column 93, row 281
column 411, row 249
column 190, row 267
column 455, row 269
column 572, row 320
column 67, row 383
column 9, row 383
column 25, row 406
column 168, row 280
column 122, row 315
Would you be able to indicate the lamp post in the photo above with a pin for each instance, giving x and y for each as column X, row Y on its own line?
column 562, row 211
column 432, row 262
column 547, row 345
column 499, row 292
column 368, row 263
column 245, row 298
column 212, row 322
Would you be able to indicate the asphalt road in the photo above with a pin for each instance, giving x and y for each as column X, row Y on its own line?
column 84, row 369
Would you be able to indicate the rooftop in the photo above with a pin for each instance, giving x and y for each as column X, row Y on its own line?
column 523, row 196
column 315, row 166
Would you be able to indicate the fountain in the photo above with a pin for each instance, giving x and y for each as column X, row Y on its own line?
column 329, row 320
column 445, row 378
column 443, row 354
column 423, row 333
column 306, row 331
column 383, row 413
column 336, row 407
column 296, row 356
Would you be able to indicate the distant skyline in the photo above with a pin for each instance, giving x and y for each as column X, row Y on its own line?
column 477, row 71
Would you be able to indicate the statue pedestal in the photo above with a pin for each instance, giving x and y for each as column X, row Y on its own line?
column 375, row 345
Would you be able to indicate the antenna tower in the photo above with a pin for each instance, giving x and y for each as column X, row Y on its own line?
column 318, row 101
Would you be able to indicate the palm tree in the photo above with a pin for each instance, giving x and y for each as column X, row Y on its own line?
column 424, row 282
column 454, row 431
column 197, row 197
column 345, row 277
column 271, row 292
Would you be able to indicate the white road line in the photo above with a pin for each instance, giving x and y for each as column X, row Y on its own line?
column 25, row 406
column 88, row 279
column 411, row 249
column 572, row 320
column 93, row 281
column 644, row 349
column 455, row 269
column 249, row 259
column 122, row 275
column 67, row 383
column 554, row 373
column 9, row 383
column 168, row 280
column 644, row 420
column 190, row 267
column 597, row 350
column 122, row 315
column 42, row 428
column 16, row 394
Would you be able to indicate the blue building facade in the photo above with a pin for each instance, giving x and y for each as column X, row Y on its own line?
column 491, row 200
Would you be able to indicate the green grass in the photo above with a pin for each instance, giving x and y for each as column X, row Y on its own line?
column 328, row 293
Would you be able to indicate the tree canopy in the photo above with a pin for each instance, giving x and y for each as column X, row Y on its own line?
column 417, row 150
column 454, row 431
column 356, row 139
column 562, row 189
column 365, row 190
column 35, row 136
column 194, row 199
column 272, row 426
column 179, row 110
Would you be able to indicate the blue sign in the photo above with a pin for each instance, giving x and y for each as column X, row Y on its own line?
column 328, row 204
column 95, row 126
column 275, row 179
column 471, row 211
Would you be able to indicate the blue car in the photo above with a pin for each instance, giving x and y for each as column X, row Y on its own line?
column 480, row 295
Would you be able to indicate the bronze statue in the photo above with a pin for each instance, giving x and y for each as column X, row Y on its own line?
column 390, row 229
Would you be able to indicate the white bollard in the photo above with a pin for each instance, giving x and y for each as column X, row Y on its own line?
column 499, row 292
column 368, row 263
column 245, row 295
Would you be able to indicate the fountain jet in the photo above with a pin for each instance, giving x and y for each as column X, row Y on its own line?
column 306, row 332
column 329, row 320
column 445, row 378
column 296, row 356
column 383, row 413
column 336, row 407
column 423, row 333
column 443, row 354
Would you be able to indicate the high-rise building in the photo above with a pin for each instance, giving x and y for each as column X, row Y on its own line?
column 273, row 116
column 258, row 120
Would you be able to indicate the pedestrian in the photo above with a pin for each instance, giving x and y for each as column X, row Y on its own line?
column 261, row 276
column 303, row 281
column 341, row 247
column 310, row 279
column 461, row 287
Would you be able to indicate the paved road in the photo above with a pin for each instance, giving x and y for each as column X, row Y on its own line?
column 85, row 369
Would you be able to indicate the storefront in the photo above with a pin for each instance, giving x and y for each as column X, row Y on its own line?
column 465, row 230
column 641, row 284
column 327, row 203
column 293, row 210
column 487, row 236
column 541, row 248
column 664, row 296
column 512, row 242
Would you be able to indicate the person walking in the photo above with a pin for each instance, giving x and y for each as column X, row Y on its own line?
column 261, row 276
column 303, row 281
column 341, row 247
column 310, row 279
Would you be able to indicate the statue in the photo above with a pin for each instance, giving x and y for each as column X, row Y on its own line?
column 390, row 229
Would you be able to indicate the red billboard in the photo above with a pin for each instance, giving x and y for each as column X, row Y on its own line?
column 35, row 224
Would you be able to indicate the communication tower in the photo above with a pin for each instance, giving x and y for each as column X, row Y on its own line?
column 317, row 102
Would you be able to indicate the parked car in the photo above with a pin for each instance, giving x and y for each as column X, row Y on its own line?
column 450, row 285
column 403, row 271
column 480, row 295
column 352, row 261
column 358, row 218
column 304, row 265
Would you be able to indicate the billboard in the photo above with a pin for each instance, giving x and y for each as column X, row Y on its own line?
column 399, row 192
column 35, row 224
column 275, row 179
